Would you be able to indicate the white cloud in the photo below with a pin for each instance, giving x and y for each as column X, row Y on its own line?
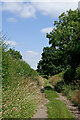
column 49, row 8
column 11, row 20
column 12, row 0
column 13, row 43
column 54, row 9
column 52, row 0
column 32, row 58
column 46, row 30
column 24, row 10
column 39, row 0
column 28, row 11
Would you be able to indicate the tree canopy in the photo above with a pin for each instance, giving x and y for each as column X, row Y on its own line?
column 64, row 40
column 15, row 54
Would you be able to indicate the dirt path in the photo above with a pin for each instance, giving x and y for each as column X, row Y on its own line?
column 73, row 109
column 41, row 111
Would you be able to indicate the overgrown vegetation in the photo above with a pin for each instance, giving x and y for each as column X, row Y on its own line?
column 19, row 85
column 54, row 79
column 61, row 61
column 72, row 91
column 63, row 56
column 64, row 47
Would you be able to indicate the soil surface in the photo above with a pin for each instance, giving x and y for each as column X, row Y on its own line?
column 73, row 109
column 41, row 111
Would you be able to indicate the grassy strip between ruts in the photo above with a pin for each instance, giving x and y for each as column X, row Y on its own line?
column 56, row 108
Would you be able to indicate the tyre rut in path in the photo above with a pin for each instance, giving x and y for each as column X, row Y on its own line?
column 41, row 111
column 73, row 109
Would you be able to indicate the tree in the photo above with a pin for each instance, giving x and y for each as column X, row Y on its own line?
column 66, row 36
column 65, row 44
column 49, row 63
column 15, row 54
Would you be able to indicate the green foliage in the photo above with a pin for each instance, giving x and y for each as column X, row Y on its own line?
column 56, row 78
column 45, row 76
column 59, row 86
column 19, row 85
column 64, row 47
column 15, row 54
column 46, row 83
column 69, row 75
column 48, row 64
column 68, row 90
column 77, row 76
column 14, row 68
column 72, row 92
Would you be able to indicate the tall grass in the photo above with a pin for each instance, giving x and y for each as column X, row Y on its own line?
column 71, row 90
column 54, row 79
column 20, row 90
column 21, row 101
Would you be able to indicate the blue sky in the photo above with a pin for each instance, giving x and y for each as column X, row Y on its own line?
column 26, row 25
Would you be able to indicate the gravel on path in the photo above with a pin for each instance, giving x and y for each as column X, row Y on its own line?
column 73, row 109
column 41, row 111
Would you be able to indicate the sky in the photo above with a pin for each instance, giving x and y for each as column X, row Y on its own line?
column 26, row 23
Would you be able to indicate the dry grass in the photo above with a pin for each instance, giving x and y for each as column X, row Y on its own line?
column 41, row 81
column 22, row 101
column 54, row 79
column 76, row 98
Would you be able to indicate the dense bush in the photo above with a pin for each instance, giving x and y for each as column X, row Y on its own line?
column 15, row 54
column 64, row 49
column 54, row 79
column 68, row 90
column 45, row 76
column 69, row 75
column 19, row 85
column 77, row 76
column 13, row 69
column 59, row 86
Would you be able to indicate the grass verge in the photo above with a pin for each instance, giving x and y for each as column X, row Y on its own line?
column 21, row 101
column 56, row 108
